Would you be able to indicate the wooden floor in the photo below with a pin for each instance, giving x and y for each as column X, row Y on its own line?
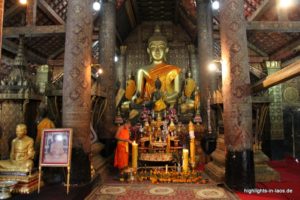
column 59, row 192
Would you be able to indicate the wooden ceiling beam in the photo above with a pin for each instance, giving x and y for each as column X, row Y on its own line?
column 276, row 26
column 48, row 10
column 285, row 50
column 33, row 31
column 31, row 12
column 130, row 14
column 265, row 5
column 278, row 77
column 257, row 50
column 31, row 56
column 12, row 11
column 57, row 53
column 257, row 59
column 136, row 11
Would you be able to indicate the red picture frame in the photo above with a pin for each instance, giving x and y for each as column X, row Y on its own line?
column 56, row 147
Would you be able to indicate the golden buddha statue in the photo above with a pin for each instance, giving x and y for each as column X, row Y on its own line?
column 22, row 152
column 168, row 74
column 189, row 88
column 157, row 97
column 197, row 99
column 130, row 88
column 190, row 85
column 129, row 92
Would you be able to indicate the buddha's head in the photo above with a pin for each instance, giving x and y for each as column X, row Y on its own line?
column 21, row 130
column 157, row 46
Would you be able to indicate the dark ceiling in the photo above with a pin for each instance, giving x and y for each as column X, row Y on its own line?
column 130, row 13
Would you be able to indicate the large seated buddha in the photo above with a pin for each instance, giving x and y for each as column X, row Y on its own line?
column 169, row 75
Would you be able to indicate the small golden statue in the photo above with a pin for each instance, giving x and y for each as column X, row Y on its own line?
column 157, row 97
column 22, row 152
column 168, row 74
column 129, row 92
column 190, row 86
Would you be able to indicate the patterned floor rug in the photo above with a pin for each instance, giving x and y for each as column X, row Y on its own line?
column 160, row 191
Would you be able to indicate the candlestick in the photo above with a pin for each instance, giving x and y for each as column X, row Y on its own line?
column 192, row 151
column 185, row 160
column 134, row 155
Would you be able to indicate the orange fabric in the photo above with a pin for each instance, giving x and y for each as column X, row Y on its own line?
column 44, row 124
column 121, row 153
column 166, row 74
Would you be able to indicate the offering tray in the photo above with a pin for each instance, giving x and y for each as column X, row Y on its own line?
column 5, row 188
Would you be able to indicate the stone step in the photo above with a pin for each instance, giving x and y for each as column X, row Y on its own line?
column 260, row 157
column 215, row 172
column 264, row 173
column 218, row 156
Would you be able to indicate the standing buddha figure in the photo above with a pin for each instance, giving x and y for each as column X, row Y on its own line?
column 169, row 75
column 189, row 87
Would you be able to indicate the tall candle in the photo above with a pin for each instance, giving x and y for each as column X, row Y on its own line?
column 134, row 155
column 208, row 115
column 192, row 150
column 168, row 143
column 185, row 160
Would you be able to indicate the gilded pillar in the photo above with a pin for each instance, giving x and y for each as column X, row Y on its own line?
column 205, row 51
column 237, row 117
column 276, row 113
column 121, row 70
column 193, row 63
column 107, row 42
column 77, row 85
column 1, row 25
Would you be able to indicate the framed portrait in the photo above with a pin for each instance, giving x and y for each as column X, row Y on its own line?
column 56, row 146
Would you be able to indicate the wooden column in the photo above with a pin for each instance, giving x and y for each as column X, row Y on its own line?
column 276, row 114
column 205, row 51
column 193, row 63
column 107, row 42
column 77, row 85
column 122, row 65
column 237, row 115
column 1, row 25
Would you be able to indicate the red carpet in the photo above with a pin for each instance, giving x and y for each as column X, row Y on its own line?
column 287, row 188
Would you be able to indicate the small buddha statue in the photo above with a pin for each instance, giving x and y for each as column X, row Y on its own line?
column 197, row 99
column 157, row 97
column 169, row 75
column 188, row 103
column 22, row 152
column 189, row 86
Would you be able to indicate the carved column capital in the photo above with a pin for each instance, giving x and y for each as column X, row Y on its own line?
column 273, row 64
column 123, row 49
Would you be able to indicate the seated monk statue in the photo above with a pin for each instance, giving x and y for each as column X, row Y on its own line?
column 189, row 88
column 157, row 97
column 22, row 152
column 169, row 75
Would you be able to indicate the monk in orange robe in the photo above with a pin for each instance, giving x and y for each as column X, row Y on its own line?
column 122, row 153
column 45, row 123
